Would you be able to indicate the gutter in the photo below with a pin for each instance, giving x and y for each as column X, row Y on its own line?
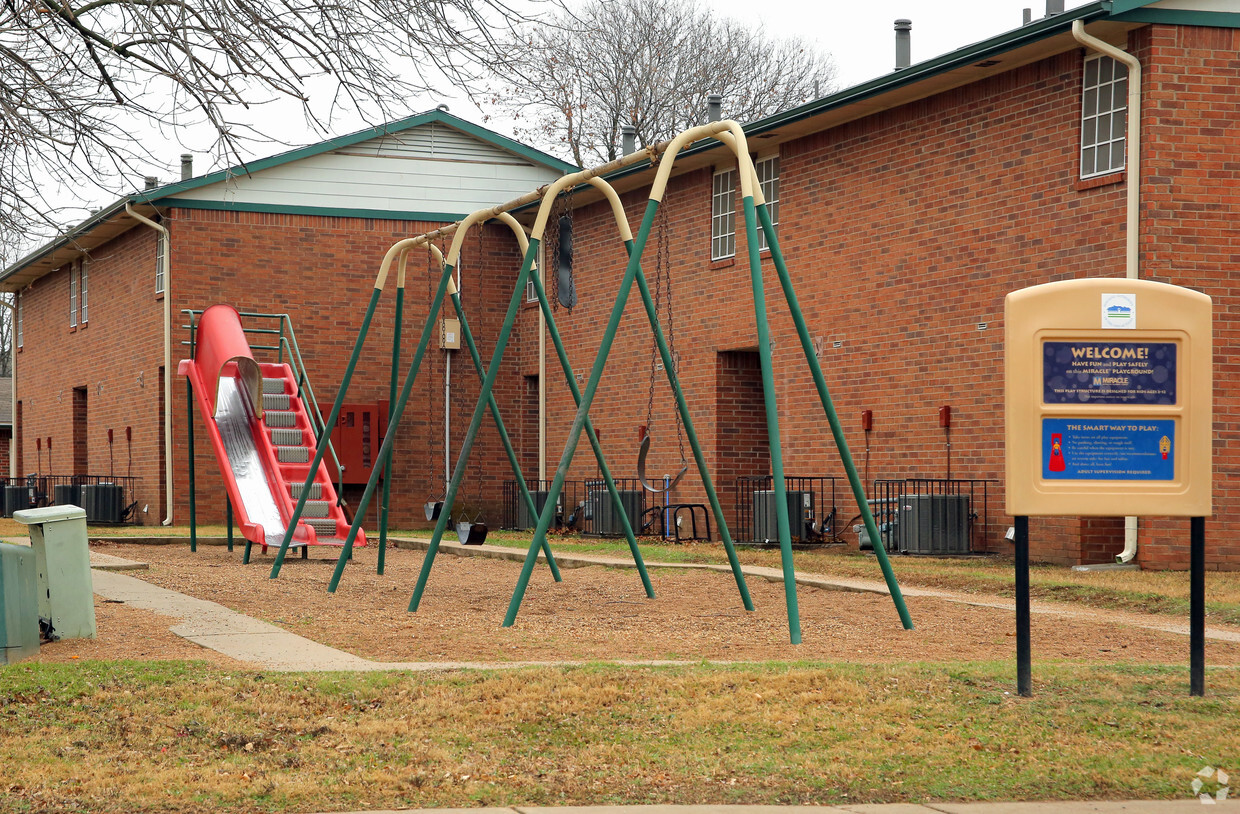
column 1133, row 180
column 166, row 261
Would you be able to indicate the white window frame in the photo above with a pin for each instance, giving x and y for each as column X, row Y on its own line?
column 73, row 298
column 1104, row 116
column 82, row 288
column 17, row 309
column 723, row 214
column 767, row 168
column 161, row 248
column 531, row 293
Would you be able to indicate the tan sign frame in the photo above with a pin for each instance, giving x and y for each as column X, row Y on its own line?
column 1075, row 311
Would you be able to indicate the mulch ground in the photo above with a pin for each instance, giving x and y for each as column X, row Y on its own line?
column 596, row 613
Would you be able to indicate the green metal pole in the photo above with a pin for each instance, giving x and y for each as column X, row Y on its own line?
column 193, row 508
column 229, row 514
column 604, row 469
column 389, row 438
column 583, row 409
column 503, row 431
column 324, row 440
column 387, row 462
column 673, row 378
column 837, row 430
column 772, row 422
column 488, row 383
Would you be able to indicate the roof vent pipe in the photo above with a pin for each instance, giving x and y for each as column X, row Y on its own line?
column 151, row 182
column 714, row 107
column 904, row 44
column 187, row 166
column 628, row 139
column 1026, row 16
column 1054, row 7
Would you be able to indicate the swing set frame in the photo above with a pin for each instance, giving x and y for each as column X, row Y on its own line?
column 662, row 156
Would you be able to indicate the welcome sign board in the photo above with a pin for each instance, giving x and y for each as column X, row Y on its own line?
column 1108, row 399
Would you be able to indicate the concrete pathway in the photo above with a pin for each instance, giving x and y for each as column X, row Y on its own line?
column 1056, row 807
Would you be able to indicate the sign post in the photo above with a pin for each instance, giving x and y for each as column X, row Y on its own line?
column 1109, row 388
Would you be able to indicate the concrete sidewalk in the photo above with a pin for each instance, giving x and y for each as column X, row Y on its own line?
column 1056, row 807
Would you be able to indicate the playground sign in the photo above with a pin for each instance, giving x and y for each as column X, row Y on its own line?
column 1108, row 399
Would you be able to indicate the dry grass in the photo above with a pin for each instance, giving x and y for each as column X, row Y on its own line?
column 118, row 737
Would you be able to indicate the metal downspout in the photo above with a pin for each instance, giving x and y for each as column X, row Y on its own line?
column 12, row 306
column 167, row 271
column 1134, row 198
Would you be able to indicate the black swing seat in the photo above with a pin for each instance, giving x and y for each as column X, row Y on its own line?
column 641, row 470
column 471, row 533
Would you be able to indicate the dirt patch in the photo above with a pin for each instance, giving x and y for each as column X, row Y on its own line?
column 123, row 632
column 602, row 613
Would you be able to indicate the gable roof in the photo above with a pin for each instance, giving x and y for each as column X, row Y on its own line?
column 114, row 220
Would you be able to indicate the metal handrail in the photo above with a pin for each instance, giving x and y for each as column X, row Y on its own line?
column 285, row 343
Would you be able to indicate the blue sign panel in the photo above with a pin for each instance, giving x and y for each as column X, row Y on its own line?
column 1108, row 449
column 1108, row 372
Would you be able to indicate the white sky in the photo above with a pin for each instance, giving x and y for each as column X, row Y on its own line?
column 859, row 36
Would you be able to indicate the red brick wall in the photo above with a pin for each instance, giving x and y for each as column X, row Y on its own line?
column 903, row 232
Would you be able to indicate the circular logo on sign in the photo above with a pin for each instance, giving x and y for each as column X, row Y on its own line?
column 1117, row 310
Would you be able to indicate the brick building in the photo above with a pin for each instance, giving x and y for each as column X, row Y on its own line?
column 301, row 234
column 908, row 207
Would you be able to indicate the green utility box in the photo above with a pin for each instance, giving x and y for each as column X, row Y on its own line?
column 62, row 558
column 19, row 603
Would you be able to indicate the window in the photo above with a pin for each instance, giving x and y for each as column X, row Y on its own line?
column 768, row 180
column 723, row 215
column 531, row 293
column 161, row 249
column 18, row 307
column 73, row 308
column 82, row 288
column 1104, row 116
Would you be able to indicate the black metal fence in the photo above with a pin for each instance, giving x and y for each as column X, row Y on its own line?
column 107, row 499
column 813, row 510
column 584, row 506
column 932, row 515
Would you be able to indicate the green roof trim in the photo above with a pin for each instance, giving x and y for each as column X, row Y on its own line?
column 1210, row 19
column 429, row 117
column 322, row 211
column 1120, row 6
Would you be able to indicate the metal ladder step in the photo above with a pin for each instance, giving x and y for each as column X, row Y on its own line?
column 316, row 491
column 316, row 509
column 273, row 401
column 292, row 455
column 271, row 386
column 280, row 418
column 287, row 438
column 322, row 526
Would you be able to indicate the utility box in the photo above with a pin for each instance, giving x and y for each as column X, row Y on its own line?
column 934, row 524
column 19, row 603
column 62, row 560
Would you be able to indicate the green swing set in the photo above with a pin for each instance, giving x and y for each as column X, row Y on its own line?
column 730, row 134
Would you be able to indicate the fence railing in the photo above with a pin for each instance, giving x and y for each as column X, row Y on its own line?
column 813, row 509
column 107, row 499
column 932, row 515
column 584, row 506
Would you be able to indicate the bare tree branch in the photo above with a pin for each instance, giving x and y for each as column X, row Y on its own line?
column 579, row 79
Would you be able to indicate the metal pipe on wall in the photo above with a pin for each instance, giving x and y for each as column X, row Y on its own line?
column 166, row 264
column 1133, row 169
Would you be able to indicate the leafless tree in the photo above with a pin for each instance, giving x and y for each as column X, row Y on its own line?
column 652, row 65
column 83, row 83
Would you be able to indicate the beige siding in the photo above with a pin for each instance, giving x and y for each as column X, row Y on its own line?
column 431, row 168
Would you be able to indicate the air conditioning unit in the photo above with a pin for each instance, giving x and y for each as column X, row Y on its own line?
column 524, row 519
column 67, row 494
column 607, row 521
column 103, row 502
column 15, row 499
column 766, row 518
column 933, row 524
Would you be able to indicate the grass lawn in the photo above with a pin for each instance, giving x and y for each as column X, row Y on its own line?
column 126, row 737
